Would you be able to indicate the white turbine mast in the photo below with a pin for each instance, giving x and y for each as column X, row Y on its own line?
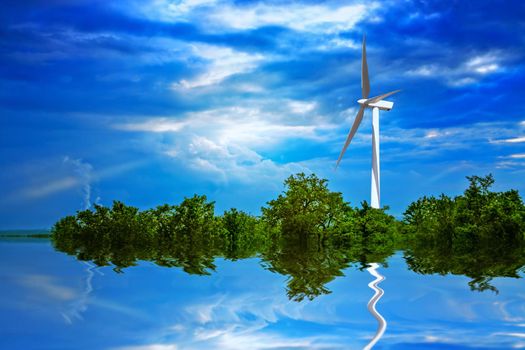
column 376, row 103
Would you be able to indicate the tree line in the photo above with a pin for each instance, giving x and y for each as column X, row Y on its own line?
column 310, row 234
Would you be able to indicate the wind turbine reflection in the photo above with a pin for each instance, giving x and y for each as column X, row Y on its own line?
column 372, row 304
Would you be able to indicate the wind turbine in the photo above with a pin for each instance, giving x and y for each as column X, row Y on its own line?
column 376, row 103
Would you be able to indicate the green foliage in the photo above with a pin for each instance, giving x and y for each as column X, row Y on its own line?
column 479, row 234
column 479, row 216
column 243, row 234
column 310, row 234
column 121, row 235
column 306, row 206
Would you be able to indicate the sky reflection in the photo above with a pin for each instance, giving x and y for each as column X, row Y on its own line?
column 52, row 300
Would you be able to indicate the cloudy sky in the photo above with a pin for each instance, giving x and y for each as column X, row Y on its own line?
column 148, row 102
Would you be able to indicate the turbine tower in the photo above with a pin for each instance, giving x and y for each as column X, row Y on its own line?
column 376, row 103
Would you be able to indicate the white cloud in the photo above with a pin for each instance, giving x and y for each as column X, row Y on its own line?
column 430, row 143
column 483, row 64
column 424, row 71
column 301, row 107
column 458, row 82
column 249, row 87
column 153, row 125
column 302, row 17
column 346, row 43
column 226, row 142
column 219, row 64
column 509, row 164
column 432, row 134
column 426, row 17
column 227, row 161
column 178, row 8
column 338, row 43
column 321, row 18
column 511, row 140
column 165, row 10
column 516, row 335
column 451, row 137
column 43, row 190
column 241, row 126
column 466, row 73
column 47, row 285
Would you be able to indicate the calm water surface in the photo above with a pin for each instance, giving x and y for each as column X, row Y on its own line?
column 49, row 300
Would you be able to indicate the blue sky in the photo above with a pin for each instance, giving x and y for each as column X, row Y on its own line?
column 148, row 102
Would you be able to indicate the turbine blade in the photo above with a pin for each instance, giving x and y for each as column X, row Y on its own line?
column 357, row 122
column 380, row 97
column 365, row 82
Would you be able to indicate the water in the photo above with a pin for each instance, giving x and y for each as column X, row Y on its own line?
column 50, row 300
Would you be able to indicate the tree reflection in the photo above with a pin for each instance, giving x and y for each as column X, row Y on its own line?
column 481, row 263
column 311, row 235
column 309, row 266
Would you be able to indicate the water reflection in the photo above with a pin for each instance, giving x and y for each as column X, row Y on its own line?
column 479, row 261
column 80, row 304
column 309, row 264
column 241, row 306
column 378, row 293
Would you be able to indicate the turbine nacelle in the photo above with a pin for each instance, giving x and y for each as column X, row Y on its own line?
column 382, row 104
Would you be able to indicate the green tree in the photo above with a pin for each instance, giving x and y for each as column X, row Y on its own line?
column 242, row 234
column 306, row 207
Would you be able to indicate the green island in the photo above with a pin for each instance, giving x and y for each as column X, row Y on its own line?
column 310, row 234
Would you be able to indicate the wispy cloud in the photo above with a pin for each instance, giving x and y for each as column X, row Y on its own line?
column 447, row 138
column 470, row 71
column 511, row 140
column 518, row 156
column 302, row 17
column 49, row 188
column 153, row 124
column 49, row 286
column 509, row 164
column 248, row 126
column 301, row 107
column 220, row 16
column 74, row 173
column 219, row 63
